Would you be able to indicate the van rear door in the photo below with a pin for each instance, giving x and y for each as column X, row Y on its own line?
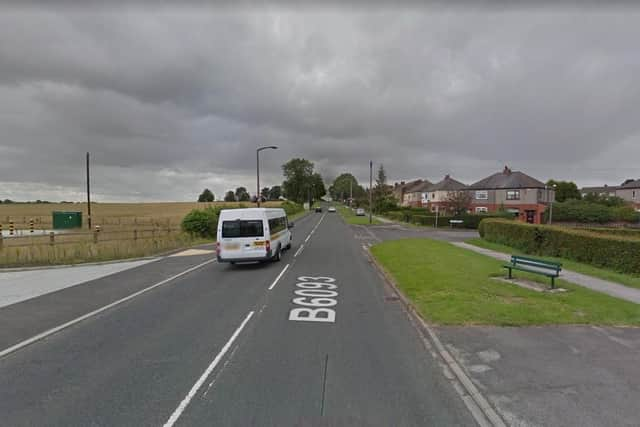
column 243, row 239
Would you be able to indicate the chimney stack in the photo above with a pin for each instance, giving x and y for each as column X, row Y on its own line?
column 506, row 170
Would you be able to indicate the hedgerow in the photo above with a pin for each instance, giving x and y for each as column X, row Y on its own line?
column 619, row 253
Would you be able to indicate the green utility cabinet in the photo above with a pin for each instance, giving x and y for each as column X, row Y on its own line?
column 62, row 220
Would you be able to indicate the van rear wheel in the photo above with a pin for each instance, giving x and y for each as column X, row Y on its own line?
column 277, row 256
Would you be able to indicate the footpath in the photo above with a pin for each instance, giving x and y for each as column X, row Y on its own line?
column 593, row 283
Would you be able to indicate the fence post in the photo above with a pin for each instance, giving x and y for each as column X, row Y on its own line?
column 95, row 234
column 11, row 228
column 1, row 241
column 135, row 235
column 31, row 225
column 52, row 238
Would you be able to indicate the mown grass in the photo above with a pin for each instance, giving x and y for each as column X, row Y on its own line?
column 602, row 273
column 454, row 286
column 351, row 218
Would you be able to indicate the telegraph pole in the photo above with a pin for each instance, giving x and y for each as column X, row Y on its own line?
column 88, row 194
column 370, row 189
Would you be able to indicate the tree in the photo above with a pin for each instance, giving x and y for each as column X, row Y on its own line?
column 383, row 199
column 344, row 185
column 242, row 195
column 230, row 196
column 264, row 193
column 565, row 190
column 206, row 196
column 318, row 189
column 457, row 202
column 275, row 192
column 298, row 181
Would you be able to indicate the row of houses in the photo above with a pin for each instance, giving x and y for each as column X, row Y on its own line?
column 628, row 190
column 513, row 191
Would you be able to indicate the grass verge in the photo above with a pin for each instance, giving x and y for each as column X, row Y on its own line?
column 454, row 286
column 602, row 273
column 351, row 218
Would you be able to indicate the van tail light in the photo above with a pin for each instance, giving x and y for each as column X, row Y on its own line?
column 217, row 248
column 268, row 246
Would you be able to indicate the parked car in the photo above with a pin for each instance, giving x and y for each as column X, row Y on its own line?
column 318, row 208
column 360, row 212
column 331, row 209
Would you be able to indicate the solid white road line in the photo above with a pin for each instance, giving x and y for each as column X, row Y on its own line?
column 98, row 311
column 185, row 402
column 307, row 239
column 299, row 250
column 279, row 276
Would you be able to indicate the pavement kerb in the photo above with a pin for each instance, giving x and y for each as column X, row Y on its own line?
column 490, row 416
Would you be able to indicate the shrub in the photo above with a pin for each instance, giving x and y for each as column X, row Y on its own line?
column 201, row 222
column 591, row 212
column 602, row 250
column 291, row 208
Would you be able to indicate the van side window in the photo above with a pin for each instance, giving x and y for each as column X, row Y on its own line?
column 277, row 224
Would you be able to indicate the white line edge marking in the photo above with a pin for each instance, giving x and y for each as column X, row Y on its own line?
column 307, row 239
column 185, row 402
column 58, row 328
column 299, row 250
column 279, row 276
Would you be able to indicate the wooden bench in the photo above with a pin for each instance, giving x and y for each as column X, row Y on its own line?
column 534, row 265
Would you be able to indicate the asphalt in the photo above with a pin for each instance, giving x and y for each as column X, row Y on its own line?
column 136, row 363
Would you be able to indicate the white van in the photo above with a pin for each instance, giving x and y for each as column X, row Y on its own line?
column 255, row 234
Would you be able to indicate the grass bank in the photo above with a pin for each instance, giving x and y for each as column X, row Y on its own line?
column 454, row 286
column 602, row 273
column 351, row 218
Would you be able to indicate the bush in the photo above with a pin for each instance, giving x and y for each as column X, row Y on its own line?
column 201, row 222
column 423, row 217
column 291, row 208
column 590, row 212
column 601, row 250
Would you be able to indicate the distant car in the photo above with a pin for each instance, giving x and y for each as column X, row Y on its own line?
column 360, row 212
column 318, row 209
column 331, row 209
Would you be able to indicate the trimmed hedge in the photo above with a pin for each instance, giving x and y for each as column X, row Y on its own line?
column 610, row 251
column 420, row 217
column 588, row 212
column 633, row 233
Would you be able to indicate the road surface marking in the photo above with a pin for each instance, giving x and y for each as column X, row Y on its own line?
column 192, row 252
column 52, row 331
column 279, row 276
column 185, row 402
column 299, row 250
column 312, row 294
column 308, row 237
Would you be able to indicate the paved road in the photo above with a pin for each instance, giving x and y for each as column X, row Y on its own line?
column 216, row 346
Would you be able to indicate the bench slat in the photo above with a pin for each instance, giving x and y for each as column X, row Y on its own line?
column 529, row 270
column 524, row 258
column 536, row 264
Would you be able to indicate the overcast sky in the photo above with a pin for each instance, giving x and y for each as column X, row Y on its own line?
column 170, row 101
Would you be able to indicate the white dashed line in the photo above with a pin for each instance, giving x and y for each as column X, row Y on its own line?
column 185, row 402
column 279, row 276
column 299, row 250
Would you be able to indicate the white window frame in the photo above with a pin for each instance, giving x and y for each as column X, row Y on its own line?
column 482, row 209
column 516, row 192
column 484, row 193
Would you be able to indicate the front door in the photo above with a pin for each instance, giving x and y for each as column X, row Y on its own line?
column 531, row 216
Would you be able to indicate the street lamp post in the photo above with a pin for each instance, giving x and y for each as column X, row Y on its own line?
column 268, row 147
column 550, row 202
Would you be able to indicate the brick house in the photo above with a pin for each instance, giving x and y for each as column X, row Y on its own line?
column 513, row 191
column 413, row 194
column 630, row 191
column 606, row 190
column 399, row 190
column 436, row 196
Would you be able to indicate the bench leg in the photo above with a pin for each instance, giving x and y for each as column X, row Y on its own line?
column 553, row 282
column 510, row 276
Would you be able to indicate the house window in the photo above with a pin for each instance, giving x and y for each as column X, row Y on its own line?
column 482, row 195
column 633, row 194
column 513, row 195
column 481, row 209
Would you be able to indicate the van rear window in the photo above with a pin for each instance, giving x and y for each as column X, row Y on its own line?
column 242, row 228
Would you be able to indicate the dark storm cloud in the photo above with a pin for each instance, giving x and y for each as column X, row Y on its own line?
column 171, row 101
